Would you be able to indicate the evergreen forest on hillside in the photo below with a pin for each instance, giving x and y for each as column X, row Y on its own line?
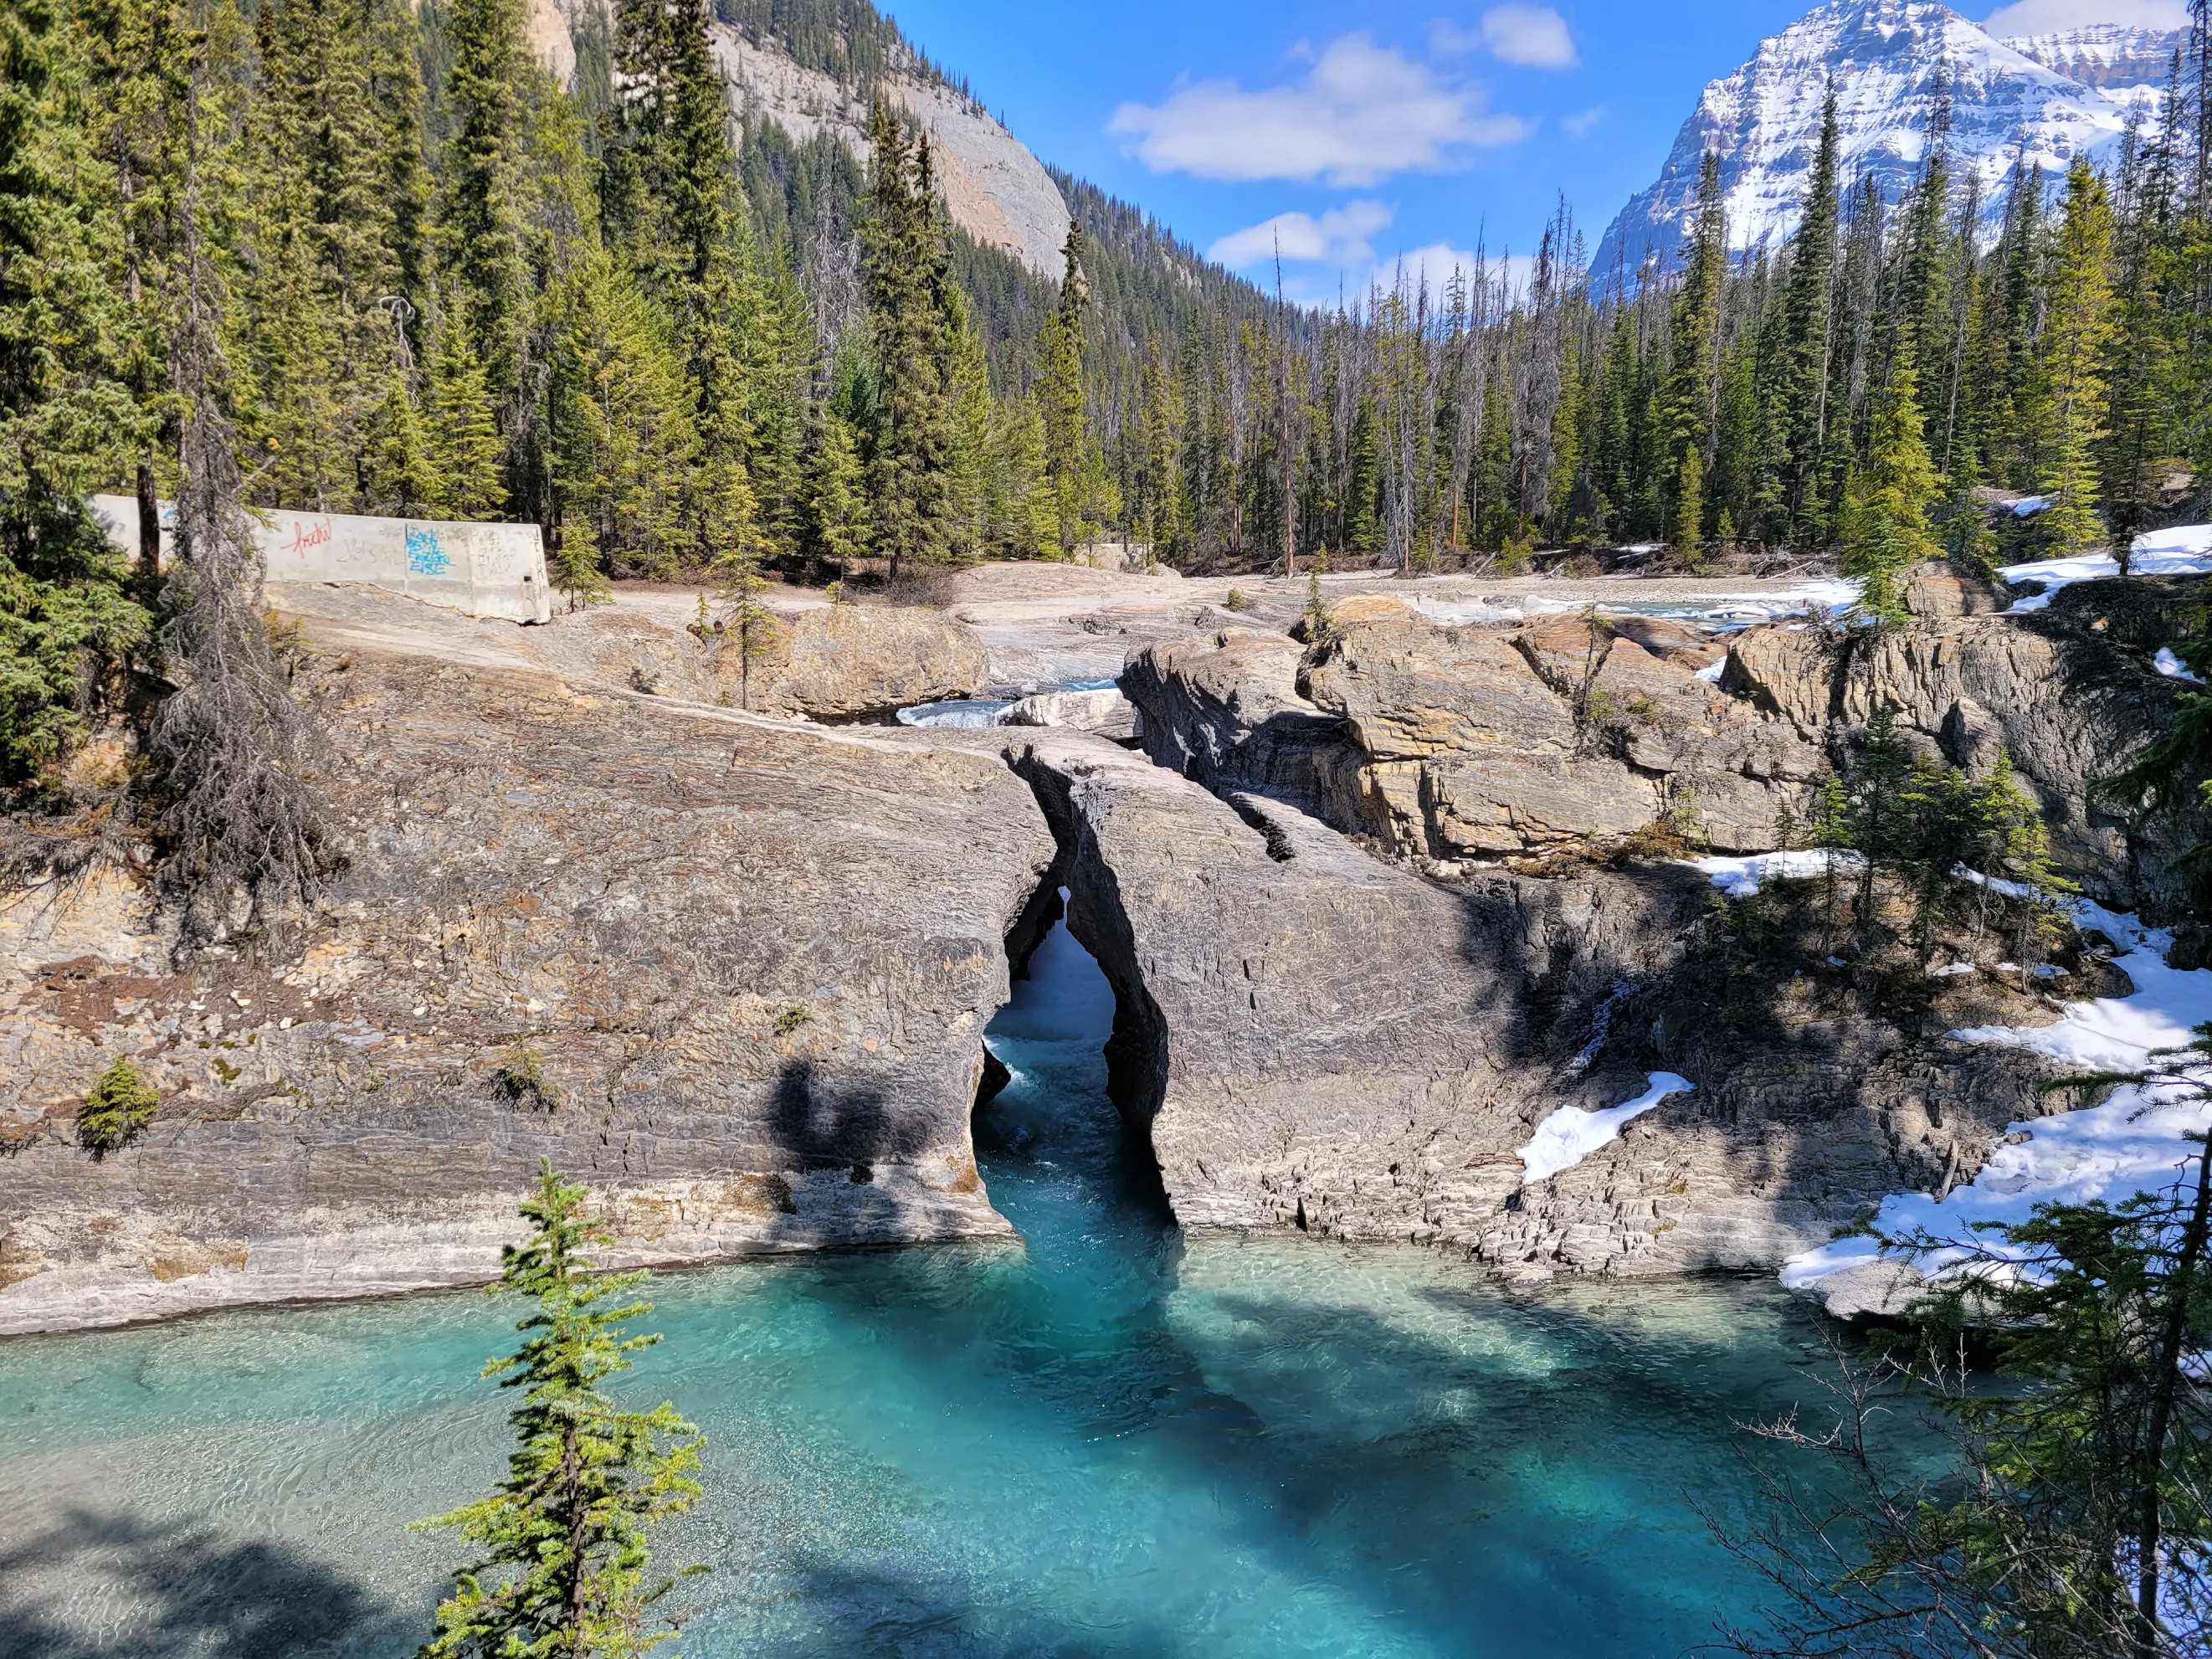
column 442, row 285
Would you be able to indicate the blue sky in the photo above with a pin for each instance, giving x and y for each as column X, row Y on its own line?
column 1380, row 129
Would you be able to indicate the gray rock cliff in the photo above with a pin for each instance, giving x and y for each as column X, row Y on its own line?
column 751, row 964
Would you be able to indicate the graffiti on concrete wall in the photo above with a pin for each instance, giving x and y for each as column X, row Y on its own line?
column 424, row 556
column 307, row 534
column 479, row 569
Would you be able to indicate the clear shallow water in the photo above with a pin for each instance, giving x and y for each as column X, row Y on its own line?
column 1108, row 1442
column 983, row 711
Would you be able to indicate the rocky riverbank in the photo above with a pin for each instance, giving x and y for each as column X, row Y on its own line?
column 1374, row 906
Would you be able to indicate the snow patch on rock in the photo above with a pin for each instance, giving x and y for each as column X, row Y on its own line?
column 2134, row 1142
column 1571, row 1134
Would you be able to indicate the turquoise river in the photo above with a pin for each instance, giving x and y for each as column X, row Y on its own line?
column 1108, row 1440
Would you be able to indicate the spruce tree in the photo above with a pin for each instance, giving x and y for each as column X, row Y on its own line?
column 483, row 208
column 906, row 274
column 464, row 443
column 1886, row 501
column 969, row 419
column 2078, row 323
column 1362, row 480
column 70, row 420
column 837, row 502
column 666, row 179
column 2142, row 447
column 1159, row 494
column 1800, row 388
column 399, row 476
column 562, row 1561
column 1686, row 527
column 625, row 453
column 1067, row 458
column 235, row 755
column 1693, row 381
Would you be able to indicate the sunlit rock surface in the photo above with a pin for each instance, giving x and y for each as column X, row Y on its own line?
column 749, row 962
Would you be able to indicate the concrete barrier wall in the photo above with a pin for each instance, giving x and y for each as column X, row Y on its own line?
column 479, row 569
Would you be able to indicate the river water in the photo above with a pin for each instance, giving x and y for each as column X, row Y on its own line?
column 1108, row 1440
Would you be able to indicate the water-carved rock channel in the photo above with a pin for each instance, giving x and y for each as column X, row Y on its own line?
column 1109, row 1439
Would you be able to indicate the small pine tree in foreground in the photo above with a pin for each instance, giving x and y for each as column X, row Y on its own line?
column 562, row 1563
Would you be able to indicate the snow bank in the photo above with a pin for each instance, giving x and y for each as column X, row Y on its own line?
column 1741, row 878
column 2131, row 1144
column 2118, row 1034
column 2173, row 666
column 1571, row 1134
column 2029, row 508
column 2184, row 550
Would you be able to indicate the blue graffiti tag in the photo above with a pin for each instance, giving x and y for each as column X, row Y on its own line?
column 424, row 556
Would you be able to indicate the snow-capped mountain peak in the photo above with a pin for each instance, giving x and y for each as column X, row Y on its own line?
column 2050, row 97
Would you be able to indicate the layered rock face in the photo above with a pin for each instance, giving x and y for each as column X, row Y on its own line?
column 1452, row 743
column 735, row 975
column 2067, row 692
column 845, row 659
column 1456, row 744
column 1313, row 1038
column 825, row 663
column 734, row 971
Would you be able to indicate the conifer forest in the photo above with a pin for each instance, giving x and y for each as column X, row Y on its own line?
column 436, row 282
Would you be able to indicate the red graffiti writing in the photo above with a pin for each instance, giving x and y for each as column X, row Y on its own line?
column 311, row 534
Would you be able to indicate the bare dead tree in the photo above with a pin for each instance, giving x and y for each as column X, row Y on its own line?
column 234, row 752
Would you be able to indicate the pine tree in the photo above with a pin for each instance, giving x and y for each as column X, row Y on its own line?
column 625, row 453
column 1885, row 517
column 566, row 1532
column 906, row 276
column 482, row 208
column 837, row 504
column 1067, row 456
column 464, row 443
column 2078, row 323
column 1693, row 384
column 1799, row 389
column 70, row 421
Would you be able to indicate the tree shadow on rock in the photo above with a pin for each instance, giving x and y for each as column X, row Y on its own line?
column 818, row 1124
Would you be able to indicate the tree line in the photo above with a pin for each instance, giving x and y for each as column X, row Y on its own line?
column 443, row 284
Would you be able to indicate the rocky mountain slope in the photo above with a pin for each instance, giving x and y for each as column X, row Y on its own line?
column 2046, row 97
column 995, row 190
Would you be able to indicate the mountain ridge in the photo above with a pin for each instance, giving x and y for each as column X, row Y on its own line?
column 2046, row 98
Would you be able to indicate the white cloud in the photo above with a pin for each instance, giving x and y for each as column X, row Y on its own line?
column 1337, row 237
column 1362, row 113
column 1535, row 36
column 1582, row 125
column 1435, row 264
column 2048, row 17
